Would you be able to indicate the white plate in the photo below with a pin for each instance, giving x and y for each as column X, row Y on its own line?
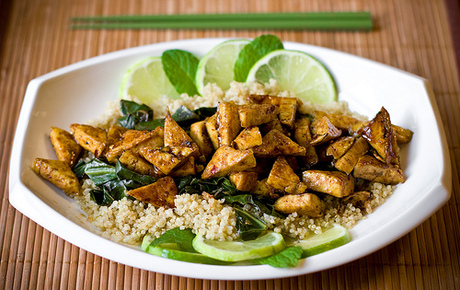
column 80, row 92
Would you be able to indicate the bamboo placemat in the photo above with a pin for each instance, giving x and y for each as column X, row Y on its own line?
column 412, row 35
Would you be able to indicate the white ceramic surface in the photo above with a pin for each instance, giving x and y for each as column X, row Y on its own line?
column 80, row 92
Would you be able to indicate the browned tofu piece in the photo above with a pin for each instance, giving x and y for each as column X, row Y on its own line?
column 302, row 136
column 275, row 143
column 341, row 145
column 402, row 135
column 227, row 160
column 129, row 139
column 264, row 99
column 159, row 194
column 156, row 141
column 248, row 138
column 304, row 204
column 244, row 181
column 199, row 134
column 275, row 124
column 228, row 123
column 187, row 168
column 65, row 146
column 176, row 137
column 347, row 162
column 115, row 134
column 264, row 190
column 138, row 164
column 90, row 138
column 58, row 173
column 379, row 133
column 283, row 178
column 288, row 111
column 163, row 160
column 369, row 168
column 342, row 122
column 211, row 128
column 357, row 198
column 324, row 131
column 335, row 183
column 257, row 114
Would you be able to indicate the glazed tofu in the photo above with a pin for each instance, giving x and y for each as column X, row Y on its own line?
column 187, row 168
column 211, row 128
column 129, row 139
column 58, row 173
column 156, row 141
column 324, row 131
column 176, row 137
column 264, row 99
column 335, row 183
column 244, row 181
column 379, row 133
column 262, row 189
column 357, row 198
column 200, row 136
column 275, row 124
column 302, row 136
column 248, row 138
column 90, row 138
column 288, row 110
column 257, row 114
column 282, row 177
column 138, row 164
column 275, row 143
column 305, row 204
column 227, row 160
column 159, row 194
column 65, row 146
column 369, row 168
column 163, row 160
column 402, row 135
column 114, row 134
column 342, row 122
column 339, row 146
column 347, row 162
column 228, row 123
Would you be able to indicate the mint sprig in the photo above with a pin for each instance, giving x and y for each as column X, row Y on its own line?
column 287, row 258
column 252, row 52
column 180, row 67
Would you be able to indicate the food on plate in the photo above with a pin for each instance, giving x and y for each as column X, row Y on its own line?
column 252, row 173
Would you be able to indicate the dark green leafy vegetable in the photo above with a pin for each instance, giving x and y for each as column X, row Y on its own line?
column 135, row 116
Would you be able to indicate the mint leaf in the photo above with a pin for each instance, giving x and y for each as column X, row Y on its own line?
column 183, row 239
column 285, row 259
column 252, row 52
column 180, row 67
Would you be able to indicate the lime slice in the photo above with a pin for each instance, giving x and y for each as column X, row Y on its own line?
column 233, row 251
column 217, row 65
column 147, row 82
column 296, row 72
column 328, row 240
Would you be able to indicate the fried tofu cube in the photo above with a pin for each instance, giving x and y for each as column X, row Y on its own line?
column 156, row 141
column 302, row 136
column 347, row 162
column 304, row 204
column 65, row 146
column 244, row 181
column 257, row 114
column 379, row 133
column 176, row 137
column 138, row 164
column 228, row 123
column 129, row 139
column 341, row 145
column 90, row 138
column 264, row 190
column 342, row 122
column 323, row 131
column 159, row 194
column 282, row 177
column 114, row 134
column 288, row 110
column 264, row 99
column 227, row 160
column 402, row 135
column 357, row 198
column 335, row 183
column 369, row 168
column 199, row 134
column 211, row 128
column 58, row 173
column 187, row 168
column 163, row 160
column 248, row 138
column 275, row 124
column 275, row 143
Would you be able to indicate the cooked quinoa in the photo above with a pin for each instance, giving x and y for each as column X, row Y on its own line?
column 128, row 221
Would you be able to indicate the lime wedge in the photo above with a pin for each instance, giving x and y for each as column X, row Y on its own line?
column 233, row 251
column 328, row 240
column 296, row 72
column 217, row 65
column 147, row 82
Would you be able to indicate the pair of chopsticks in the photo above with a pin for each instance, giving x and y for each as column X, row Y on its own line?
column 282, row 20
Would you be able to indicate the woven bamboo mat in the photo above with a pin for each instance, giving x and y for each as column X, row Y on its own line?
column 412, row 35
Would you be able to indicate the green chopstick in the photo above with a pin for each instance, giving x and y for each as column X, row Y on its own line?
column 287, row 20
